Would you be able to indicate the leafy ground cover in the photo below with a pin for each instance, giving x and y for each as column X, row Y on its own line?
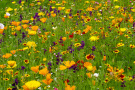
column 67, row 45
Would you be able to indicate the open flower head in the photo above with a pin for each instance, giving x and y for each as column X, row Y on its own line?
column 31, row 85
column 68, row 64
column 11, row 64
column 93, row 38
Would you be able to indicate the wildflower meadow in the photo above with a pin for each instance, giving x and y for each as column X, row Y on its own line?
column 67, row 44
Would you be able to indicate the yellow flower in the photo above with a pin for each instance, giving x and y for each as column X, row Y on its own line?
column 77, row 44
column 31, row 85
column 11, row 64
column 93, row 38
column 133, row 10
column 41, row 14
column 27, row 75
column 90, row 68
column 44, row 59
column 38, row 3
column 116, row 7
column 122, row 29
column 134, row 62
column 9, row 88
column 31, row 44
column 9, row 9
column 30, row 32
column 25, row 48
column 13, row 2
column 120, row 44
column 115, row 0
column 116, row 51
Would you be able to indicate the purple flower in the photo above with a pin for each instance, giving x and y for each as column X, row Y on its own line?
column 15, row 83
column 82, row 45
column 49, row 64
column 23, row 35
column 61, row 40
column 36, row 15
column 93, row 48
column 58, row 11
column 20, row 1
column 74, row 67
column 90, row 13
column 21, row 17
column 70, row 14
column 45, row 51
column 133, row 24
column 50, row 8
column 22, row 67
column 40, row 8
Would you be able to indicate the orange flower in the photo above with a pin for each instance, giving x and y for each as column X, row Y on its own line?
column 88, row 74
column 104, row 57
column 25, row 87
column 24, row 26
column 16, row 23
column 70, row 88
column 18, row 28
column 53, row 14
column 48, row 79
column 93, row 82
column 34, row 28
column 68, row 65
column 60, row 8
column 1, row 31
column 7, row 55
column 63, row 19
column 43, row 20
column 44, row 71
column 25, row 21
column 2, row 66
column 87, row 64
column 13, row 51
column 35, row 69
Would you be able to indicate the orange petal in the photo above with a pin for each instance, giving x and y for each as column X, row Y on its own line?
column 62, row 67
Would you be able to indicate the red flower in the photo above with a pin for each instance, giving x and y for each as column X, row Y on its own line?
column 71, row 36
column 83, row 32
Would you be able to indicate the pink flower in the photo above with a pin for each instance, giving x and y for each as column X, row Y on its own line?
column 55, row 88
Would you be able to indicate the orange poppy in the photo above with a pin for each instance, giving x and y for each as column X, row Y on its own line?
column 35, row 69
column 68, row 65
column 44, row 71
column 1, row 31
column 13, row 51
column 7, row 55
column 34, row 28
column 48, row 79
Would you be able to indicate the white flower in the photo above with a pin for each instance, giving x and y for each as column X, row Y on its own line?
column 96, row 74
column 39, row 88
column 7, row 14
column 54, row 28
column 1, row 26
